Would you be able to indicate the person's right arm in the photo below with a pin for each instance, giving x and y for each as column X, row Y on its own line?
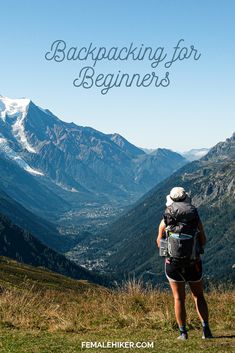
column 161, row 232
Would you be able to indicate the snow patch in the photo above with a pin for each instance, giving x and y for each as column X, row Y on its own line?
column 66, row 188
column 11, row 154
column 32, row 171
column 13, row 107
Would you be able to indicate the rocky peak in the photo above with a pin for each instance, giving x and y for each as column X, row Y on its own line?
column 223, row 150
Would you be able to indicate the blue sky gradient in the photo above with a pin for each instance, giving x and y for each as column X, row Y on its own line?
column 196, row 110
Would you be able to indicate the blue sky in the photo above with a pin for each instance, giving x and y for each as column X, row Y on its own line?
column 195, row 110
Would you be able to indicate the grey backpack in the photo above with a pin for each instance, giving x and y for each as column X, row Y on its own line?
column 182, row 247
column 181, row 243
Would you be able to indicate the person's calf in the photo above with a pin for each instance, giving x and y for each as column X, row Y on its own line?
column 180, row 312
column 202, row 308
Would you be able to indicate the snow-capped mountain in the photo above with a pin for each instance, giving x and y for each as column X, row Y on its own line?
column 13, row 113
column 12, row 132
column 80, row 160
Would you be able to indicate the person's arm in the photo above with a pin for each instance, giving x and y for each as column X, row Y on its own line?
column 161, row 232
column 201, row 236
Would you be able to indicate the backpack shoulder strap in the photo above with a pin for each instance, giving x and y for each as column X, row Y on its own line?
column 169, row 216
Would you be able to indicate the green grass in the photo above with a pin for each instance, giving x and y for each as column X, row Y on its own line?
column 13, row 273
column 15, row 341
column 43, row 312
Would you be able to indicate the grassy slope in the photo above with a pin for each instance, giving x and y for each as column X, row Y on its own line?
column 41, row 311
column 15, row 274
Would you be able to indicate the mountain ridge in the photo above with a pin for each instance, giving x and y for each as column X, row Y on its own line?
column 130, row 240
column 67, row 158
column 20, row 245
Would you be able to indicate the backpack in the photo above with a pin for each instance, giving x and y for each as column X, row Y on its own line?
column 181, row 219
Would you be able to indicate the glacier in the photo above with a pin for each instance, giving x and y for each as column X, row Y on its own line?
column 11, row 154
column 16, row 109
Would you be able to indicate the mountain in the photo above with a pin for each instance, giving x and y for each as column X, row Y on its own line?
column 20, row 245
column 195, row 154
column 130, row 241
column 157, row 166
column 148, row 150
column 44, row 230
column 126, row 146
column 191, row 155
column 77, row 165
column 29, row 190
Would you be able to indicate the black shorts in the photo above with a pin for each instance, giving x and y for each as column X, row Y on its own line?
column 176, row 273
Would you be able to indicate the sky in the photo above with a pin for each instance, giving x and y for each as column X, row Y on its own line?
column 197, row 108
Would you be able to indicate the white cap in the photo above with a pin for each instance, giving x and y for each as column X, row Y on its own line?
column 178, row 193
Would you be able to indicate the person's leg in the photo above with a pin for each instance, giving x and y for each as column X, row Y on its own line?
column 199, row 299
column 201, row 306
column 177, row 284
column 178, row 290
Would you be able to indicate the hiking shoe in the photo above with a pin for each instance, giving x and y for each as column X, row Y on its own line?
column 206, row 333
column 183, row 336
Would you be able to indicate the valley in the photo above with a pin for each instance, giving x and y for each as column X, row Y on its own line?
column 75, row 177
column 97, row 199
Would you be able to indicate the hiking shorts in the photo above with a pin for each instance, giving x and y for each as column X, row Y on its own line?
column 176, row 273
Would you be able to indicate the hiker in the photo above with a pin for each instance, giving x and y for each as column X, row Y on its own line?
column 185, row 238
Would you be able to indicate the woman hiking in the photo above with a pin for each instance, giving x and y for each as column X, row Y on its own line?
column 185, row 235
